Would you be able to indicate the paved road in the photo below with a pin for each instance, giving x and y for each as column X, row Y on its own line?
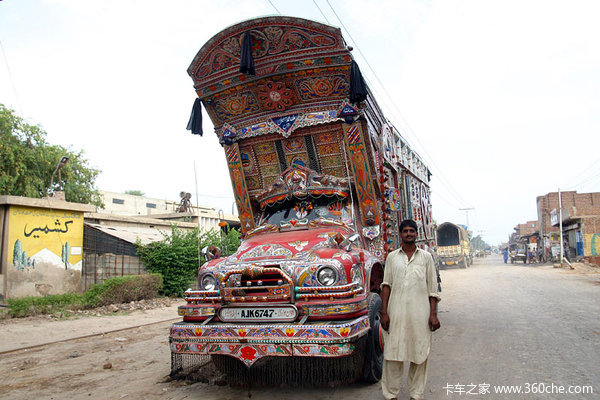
column 516, row 325
column 501, row 325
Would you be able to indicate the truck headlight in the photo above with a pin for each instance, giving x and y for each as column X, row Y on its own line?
column 326, row 276
column 208, row 282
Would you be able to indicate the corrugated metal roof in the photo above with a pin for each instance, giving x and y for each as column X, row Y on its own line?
column 131, row 234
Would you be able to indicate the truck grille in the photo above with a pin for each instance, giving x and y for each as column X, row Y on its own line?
column 257, row 284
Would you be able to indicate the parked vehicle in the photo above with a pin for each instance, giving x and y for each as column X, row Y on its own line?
column 518, row 253
column 321, row 181
column 454, row 246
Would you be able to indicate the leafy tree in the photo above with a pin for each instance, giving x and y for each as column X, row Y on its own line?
column 177, row 257
column 27, row 162
column 135, row 192
column 478, row 243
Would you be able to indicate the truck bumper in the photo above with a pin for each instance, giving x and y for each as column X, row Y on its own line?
column 251, row 342
column 341, row 309
column 451, row 260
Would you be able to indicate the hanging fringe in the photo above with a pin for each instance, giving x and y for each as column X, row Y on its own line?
column 247, row 60
column 270, row 371
column 195, row 122
column 358, row 88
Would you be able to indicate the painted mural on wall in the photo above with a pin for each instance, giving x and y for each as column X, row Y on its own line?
column 592, row 244
column 41, row 235
column 44, row 251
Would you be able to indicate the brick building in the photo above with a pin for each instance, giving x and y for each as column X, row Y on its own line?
column 528, row 228
column 580, row 219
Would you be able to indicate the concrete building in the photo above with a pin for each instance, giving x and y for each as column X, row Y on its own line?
column 206, row 218
column 42, row 246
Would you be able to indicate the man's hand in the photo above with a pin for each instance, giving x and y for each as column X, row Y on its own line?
column 434, row 323
column 385, row 321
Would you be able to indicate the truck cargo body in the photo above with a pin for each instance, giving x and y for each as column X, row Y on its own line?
column 453, row 245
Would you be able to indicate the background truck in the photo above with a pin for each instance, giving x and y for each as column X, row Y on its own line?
column 321, row 181
column 454, row 247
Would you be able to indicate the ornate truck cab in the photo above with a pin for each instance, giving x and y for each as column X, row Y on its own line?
column 297, row 285
column 320, row 179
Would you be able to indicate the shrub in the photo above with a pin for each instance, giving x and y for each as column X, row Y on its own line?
column 123, row 289
column 176, row 257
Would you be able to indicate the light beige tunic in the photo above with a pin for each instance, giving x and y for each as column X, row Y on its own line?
column 411, row 283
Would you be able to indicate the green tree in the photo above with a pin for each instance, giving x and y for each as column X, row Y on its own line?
column 27, row 162
column 478, row 243
column 135, row 192
column 177, row 259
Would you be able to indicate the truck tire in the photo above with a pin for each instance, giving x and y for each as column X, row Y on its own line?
column 373, row 365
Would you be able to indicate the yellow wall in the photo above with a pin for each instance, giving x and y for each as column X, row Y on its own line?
column 46, row 231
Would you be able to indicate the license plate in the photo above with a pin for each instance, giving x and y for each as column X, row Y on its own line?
column 258, row 314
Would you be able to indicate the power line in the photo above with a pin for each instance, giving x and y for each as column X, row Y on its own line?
column 409, row 130
column 581, row 180
column 12, row 82
column 588, row 181
column 321, row 11
column 438, row 196
column 273, row 5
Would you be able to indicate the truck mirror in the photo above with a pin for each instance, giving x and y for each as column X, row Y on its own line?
column 351, row 239
column 211, row 252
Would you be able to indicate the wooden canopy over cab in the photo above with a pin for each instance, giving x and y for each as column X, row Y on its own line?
column 295, row 109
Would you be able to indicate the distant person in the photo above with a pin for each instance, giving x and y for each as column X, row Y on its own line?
column 506, row 255
column 530, row 256
column 409, row 314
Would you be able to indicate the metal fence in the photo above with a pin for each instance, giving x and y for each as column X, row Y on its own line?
column 106, row 256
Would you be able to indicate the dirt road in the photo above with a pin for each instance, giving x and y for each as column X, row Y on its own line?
column 501, row 325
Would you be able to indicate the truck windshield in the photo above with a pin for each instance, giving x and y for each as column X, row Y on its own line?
column 304, row 211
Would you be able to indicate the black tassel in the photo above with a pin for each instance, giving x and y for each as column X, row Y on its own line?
column 195, row 122
column 358, row 88
column 247, row 60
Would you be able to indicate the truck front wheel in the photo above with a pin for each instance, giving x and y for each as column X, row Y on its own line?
column 373, row 366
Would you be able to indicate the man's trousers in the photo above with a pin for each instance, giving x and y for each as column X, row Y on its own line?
column 392, row 377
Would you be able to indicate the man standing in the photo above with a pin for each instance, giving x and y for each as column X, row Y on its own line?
column 409, row 314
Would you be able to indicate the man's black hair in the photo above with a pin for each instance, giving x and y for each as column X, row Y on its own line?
column 410, row 223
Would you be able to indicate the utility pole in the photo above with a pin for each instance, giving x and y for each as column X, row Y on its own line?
column 466, row 210
column 562, row 250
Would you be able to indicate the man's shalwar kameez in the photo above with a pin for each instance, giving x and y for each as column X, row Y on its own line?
column 408, row 339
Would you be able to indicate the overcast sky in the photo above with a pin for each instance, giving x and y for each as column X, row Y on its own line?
column 500, row 98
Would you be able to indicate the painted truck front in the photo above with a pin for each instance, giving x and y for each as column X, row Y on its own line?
column 321, row 181
column 454, row 246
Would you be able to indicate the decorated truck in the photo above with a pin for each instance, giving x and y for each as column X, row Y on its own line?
column 321, row 180
column 454, row 246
